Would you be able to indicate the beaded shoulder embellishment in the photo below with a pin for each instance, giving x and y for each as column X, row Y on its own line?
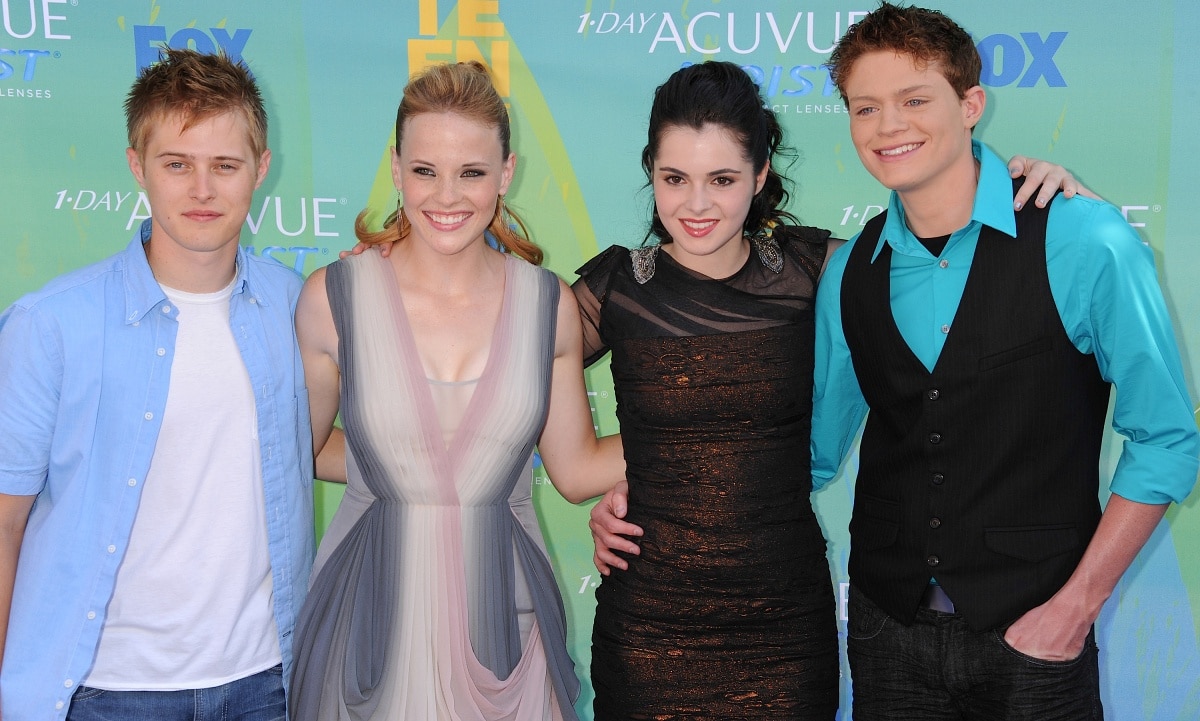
column 643, row 262
column 769, row 254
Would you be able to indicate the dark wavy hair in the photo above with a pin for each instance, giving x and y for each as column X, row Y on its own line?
column 721, row 94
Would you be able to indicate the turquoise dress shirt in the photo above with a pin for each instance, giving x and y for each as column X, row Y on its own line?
column 1106, row 291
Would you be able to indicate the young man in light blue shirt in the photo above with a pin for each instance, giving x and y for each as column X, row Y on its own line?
column 156, row 528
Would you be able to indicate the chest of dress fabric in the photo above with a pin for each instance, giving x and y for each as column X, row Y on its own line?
column 755, row 378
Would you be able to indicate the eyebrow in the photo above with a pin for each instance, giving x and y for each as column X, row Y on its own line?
column 901, row 92
column 468, row 164
column 192, row 157
column 722, row 171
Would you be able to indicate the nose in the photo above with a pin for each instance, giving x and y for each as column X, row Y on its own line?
column 203, row 188
column 698, row 198
column 447, row 188
column 891, row 120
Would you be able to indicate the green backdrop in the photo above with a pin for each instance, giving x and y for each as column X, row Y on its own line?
column 1105, row 87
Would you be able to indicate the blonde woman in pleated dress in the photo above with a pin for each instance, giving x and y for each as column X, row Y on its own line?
column 432, row 595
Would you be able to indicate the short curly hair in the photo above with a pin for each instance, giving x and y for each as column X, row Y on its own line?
column 927, row 36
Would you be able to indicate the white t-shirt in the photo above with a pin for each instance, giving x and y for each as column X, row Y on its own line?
column 193, row 601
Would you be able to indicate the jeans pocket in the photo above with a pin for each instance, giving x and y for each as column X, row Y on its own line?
column 865, row 620
column 1088, row 644
column 83, row 693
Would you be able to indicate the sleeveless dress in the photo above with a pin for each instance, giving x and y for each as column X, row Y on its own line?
column 728, row 612
column 432, row 594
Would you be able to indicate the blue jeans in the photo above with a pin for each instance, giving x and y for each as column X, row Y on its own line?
column 939, row 668
column 254, row 698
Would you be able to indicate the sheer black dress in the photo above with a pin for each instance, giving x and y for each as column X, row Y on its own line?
column 728, row 612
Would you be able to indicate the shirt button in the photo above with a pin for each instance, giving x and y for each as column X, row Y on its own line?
column 58, row 705
column 149, row 416
column 934, row 394
column 166, row 309
column 945, row 328
column 943, row 263
column 161, row 351
column 136, row 323
column 132, row 482
column 112, row 549
column 68, row 683
column 932, row 561
column 938, row 479
column 253, row 301
column 91, row 615
column 935, row 438
column 935, row 522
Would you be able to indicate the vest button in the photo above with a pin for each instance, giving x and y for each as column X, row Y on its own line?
column 934, row 394
column 932, row 561
column 937, row 479
column 935, row 438
column 935, row 522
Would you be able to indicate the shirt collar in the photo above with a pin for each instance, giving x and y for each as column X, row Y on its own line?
column 993, row 204
column 142, row 291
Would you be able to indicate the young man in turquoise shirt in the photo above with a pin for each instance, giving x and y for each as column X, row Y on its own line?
column 982, row 346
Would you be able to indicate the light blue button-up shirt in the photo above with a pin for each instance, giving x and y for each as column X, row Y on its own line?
column 84, row 368
column 1105, row 288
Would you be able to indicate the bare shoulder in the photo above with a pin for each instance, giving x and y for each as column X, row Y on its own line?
column 314, row 318
column 314, row 287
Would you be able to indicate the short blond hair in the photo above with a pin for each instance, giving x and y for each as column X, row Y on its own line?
column 194, row 86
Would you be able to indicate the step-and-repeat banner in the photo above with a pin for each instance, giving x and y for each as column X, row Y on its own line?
column 1106, row 87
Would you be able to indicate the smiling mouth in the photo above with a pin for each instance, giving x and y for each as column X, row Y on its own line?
column 698, row 227
column 447, row 218
column 901, row 150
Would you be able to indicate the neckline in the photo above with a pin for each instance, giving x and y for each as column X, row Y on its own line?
column 431, row 428
column 767, row 250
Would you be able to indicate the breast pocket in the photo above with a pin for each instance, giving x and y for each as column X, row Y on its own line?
column 1022, row 352
column 1033, row 544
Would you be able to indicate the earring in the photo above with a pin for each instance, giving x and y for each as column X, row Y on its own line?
column 402, row 224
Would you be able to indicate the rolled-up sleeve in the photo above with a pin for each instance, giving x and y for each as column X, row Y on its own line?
column 1117, row 312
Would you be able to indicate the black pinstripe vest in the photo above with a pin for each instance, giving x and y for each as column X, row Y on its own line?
column 983, row 473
